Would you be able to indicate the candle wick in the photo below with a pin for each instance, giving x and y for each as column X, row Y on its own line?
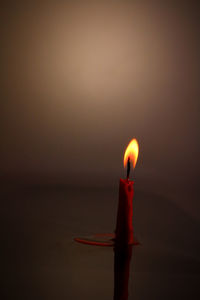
column 128, row 168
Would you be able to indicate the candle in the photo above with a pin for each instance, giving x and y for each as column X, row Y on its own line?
column 124, row 226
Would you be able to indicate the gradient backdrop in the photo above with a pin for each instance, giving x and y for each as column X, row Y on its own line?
column 80, row 79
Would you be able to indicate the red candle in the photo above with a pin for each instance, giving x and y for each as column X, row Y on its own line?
column 124, row 227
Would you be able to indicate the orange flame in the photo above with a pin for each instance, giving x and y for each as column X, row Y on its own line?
column 131, row 152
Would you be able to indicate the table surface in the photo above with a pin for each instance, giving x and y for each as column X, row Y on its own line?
column 40, row 260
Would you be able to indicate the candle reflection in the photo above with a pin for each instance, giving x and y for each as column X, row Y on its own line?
column 122, row 259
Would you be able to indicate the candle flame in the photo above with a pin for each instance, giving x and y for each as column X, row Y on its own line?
column 131, row 152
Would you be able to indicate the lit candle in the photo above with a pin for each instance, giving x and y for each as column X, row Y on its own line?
column 124, row 227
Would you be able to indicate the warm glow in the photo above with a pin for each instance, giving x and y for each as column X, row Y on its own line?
column 132, row 151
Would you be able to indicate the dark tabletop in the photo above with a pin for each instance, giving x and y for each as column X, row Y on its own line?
column 40, row 260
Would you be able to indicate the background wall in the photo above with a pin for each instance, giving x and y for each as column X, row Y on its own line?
column 79, row 80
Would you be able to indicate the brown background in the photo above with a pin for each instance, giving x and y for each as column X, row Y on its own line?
column 80, row 79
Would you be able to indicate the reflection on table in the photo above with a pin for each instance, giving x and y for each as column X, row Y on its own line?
column 122, row 259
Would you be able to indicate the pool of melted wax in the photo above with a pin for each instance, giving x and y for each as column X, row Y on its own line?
column 41, row 260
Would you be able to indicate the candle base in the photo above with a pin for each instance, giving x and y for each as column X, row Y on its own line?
column 101, row 239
